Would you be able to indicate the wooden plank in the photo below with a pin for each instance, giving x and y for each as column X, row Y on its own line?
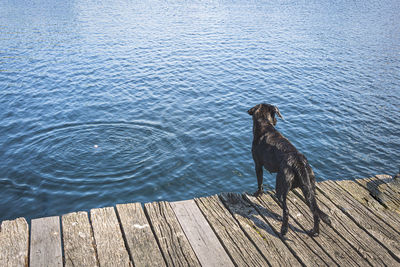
column 78, row 240
column 140, row 239
column 110, row 244
column 45, row 242
column 14, row 243
column 298, row 241
column 362, row 195
column 383, row 188
column 236, row 243
column 365, row 245
column 363, row 217
column 204, row 242
column 262, row 235
column 171, row 238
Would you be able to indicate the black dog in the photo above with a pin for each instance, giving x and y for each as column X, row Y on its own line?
column 273, row 151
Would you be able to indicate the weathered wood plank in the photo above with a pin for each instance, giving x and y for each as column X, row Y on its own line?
column 78, row 240
column 14, row 243
column 236, row 243
column 140, row 239
column 362, row 195
column 204, row 242
column 171, row 238
column 365, row 245
column 45, row 242
column 298, row 241
column 363, row 217
column 382, row 187
column 110, row 244
column 262, row 235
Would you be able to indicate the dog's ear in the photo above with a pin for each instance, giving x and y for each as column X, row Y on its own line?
column 277, row 112
column 252, row 110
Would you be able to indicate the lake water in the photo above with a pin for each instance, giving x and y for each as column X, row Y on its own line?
column 105, row 102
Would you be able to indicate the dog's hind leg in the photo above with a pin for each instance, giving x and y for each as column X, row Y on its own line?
column 283, row 184
column 312, row 202
column 279, row 188
column 309, row 195
column 259, row 173
column 315, row 211
column 285, row 215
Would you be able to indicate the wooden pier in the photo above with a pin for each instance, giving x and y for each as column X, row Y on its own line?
column 229, row 229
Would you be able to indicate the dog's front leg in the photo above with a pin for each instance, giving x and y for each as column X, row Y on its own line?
column 259, row 173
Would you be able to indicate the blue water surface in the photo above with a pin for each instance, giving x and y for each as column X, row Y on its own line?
column 105, row 102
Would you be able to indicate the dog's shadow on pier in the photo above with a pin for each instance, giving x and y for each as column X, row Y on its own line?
column 262, row 219
column 277, row 218
column 385, row 194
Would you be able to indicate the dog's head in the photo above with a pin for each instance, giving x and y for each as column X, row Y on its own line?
column 265, row 111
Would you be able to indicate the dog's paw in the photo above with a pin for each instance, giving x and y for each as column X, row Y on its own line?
column 282, row 236
column 326, row 220
column 280, row 199
column 284, row 230
column 258, row 193
column 313, row 233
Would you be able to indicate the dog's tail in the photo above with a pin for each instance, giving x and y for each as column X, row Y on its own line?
column 307, row 176
column 324, row 217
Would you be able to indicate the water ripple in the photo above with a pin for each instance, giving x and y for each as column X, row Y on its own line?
column 104, row 102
